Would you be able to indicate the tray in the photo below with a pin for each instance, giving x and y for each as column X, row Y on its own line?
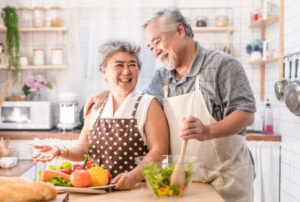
column 88, row 190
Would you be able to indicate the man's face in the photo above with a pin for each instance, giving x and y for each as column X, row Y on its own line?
column 164, row 46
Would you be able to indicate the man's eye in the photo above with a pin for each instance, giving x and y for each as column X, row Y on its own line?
column 119, row 65
column 157, row 42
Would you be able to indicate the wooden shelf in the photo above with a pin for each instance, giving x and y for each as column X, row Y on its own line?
column 260, row 61
column 40, row 29
column 264, row 22
column 214, row 29
column 39, row 67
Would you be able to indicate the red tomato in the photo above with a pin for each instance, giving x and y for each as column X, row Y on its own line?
column 66, row 171
column 109, row 177
column 80, row 178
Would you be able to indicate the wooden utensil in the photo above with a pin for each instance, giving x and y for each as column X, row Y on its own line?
column 178, row 175
column 3, row 94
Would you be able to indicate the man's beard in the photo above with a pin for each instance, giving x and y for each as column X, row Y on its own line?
column 168, row 65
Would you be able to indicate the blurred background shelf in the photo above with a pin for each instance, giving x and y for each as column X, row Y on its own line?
column 264, row 22
column 39, row 67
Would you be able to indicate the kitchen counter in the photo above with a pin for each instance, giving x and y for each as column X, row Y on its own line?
column 74, row 134
column 196, row 192
column 16, row 171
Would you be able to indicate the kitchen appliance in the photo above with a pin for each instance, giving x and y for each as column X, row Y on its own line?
column 280, row 85
column 68, row 107
column 20, row 115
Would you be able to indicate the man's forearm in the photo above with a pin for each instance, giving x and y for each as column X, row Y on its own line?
column 231, row 124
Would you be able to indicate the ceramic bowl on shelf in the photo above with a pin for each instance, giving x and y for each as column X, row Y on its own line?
column 8, row 162
column 158, row 174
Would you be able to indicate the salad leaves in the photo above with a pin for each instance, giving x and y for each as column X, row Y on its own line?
column 159, row 179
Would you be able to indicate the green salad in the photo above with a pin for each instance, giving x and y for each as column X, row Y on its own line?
column 159, row 179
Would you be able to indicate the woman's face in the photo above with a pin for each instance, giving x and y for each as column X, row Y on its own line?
column 121, row 73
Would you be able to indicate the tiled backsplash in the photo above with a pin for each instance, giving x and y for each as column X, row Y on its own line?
column 285, row 123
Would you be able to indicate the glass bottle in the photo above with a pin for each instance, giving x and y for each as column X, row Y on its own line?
column 53, row 17
column 38, row 17
column 25, row 17
column 268, row 122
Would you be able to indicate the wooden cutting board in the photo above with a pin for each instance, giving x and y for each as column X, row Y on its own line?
column 61, row 197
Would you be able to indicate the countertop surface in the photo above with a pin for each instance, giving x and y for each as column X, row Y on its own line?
column 16, row 171
column 74, row 134
column 195, row 192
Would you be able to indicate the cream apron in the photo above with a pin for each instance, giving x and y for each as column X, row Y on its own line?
column 225, row 162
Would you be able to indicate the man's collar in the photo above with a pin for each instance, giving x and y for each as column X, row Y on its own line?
column 196, row 64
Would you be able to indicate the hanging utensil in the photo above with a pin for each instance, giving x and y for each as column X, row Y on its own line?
column 280, row 85
column 292, row 93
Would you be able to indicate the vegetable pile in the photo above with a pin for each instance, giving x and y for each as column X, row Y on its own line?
column 76, row 175
column 159, row 179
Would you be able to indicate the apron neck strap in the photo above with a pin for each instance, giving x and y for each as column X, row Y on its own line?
column 102, row 107
column 166, row 87
column 197, row 83
column 136, row 105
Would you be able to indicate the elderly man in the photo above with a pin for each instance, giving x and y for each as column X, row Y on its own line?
column 207, row 100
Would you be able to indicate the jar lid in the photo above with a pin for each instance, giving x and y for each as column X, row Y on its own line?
column 54, row 8
column 222, row 17
column 56, row 48
column 39, row 8
column 24, row 8
column 35, row 49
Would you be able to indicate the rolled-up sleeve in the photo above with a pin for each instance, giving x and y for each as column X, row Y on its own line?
column 155, row 88
column 234, row 88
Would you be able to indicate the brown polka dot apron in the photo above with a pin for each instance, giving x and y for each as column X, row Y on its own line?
column 115, row 142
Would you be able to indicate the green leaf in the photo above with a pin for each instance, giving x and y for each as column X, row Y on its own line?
column 49, row 85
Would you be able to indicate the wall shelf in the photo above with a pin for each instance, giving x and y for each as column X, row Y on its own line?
column 264, row 22
column 214, row 29
column 36, row 67
column 261, row 61
column 40, row 29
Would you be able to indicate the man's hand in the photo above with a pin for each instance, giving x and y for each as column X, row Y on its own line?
column 193, row 128
column 96, row 100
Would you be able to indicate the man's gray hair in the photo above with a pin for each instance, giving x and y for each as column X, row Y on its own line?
column 109, row 48
column 168, row 19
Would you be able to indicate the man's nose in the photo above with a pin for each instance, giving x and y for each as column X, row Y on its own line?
column 156, row 52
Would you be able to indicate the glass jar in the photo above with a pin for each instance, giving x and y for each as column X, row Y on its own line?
column 53, row 17
column 221, row 21
column 25, row 17
column 38, row 17
column 56, row 56
column 38, row 57
column 201, row 21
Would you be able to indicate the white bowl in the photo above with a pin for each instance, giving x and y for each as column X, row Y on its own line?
column 8, row 162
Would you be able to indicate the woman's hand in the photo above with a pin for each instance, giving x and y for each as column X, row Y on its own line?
column 45, row 153
column 124, row 181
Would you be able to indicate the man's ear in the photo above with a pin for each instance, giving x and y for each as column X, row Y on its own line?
column 180, row 29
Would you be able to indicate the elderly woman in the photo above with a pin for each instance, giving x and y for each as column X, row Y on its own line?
column 128, row 124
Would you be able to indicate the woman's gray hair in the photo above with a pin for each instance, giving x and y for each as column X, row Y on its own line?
column 109, row 48
column 169, row 18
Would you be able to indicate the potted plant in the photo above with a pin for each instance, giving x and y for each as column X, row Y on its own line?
column 10, row 19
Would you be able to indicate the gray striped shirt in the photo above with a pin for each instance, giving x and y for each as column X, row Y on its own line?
column 223, row 82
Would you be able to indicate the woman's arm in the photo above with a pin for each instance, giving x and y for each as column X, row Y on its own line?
column 157, row 133
column 73, row 153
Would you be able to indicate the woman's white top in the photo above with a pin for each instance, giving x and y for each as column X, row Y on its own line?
column 125, row 110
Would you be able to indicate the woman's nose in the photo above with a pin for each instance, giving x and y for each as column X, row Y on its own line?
column 126, row 69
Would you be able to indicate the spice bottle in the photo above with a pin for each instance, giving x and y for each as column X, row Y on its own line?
column 268, row 121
